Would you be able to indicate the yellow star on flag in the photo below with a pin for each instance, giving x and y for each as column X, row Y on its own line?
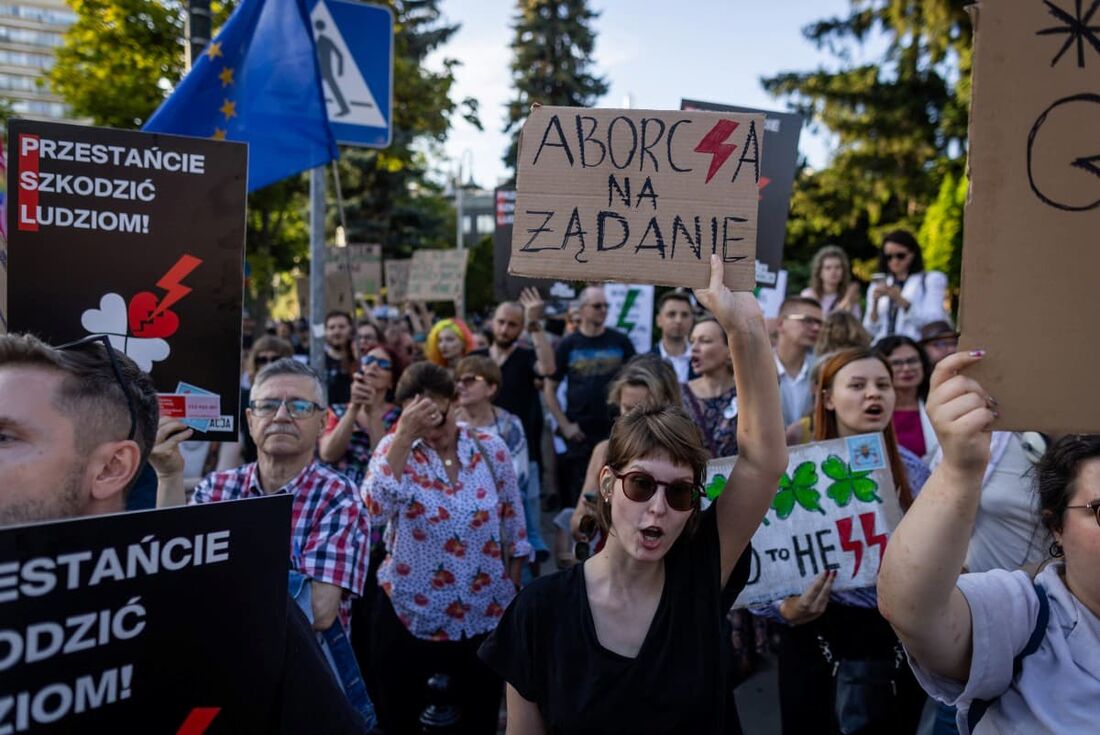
column 219, row 134
column 214, row 50
column 229, row 109
column 226, row 75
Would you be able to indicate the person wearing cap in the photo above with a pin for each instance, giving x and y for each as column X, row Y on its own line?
column 939, row 339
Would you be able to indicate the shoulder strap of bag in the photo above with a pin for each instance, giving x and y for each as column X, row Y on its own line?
column 493, row 474
column 979, row 706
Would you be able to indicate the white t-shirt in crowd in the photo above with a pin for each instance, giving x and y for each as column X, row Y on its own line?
column 1058, row 687
column 680, row 363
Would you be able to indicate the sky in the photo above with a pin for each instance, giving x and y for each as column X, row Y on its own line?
column 652, row 55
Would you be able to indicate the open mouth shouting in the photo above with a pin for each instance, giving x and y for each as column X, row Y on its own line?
column 652, row 536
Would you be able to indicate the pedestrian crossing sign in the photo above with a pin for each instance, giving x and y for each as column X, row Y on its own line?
column 355, row 56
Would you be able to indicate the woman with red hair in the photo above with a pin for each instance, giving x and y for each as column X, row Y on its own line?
column 855, row 395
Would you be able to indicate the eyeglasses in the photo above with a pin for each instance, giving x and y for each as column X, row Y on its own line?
column 467, row 381
column 897, row 256
column 812, row 321
column 641, row 486
column 298, row 408
column 261, row 360
column 1094, row 506
column 907, row 362
column 114, row 369
column 381, row 362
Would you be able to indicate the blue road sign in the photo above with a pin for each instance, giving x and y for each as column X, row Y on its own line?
column 355, row 51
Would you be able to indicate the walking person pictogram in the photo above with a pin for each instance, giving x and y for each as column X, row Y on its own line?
column 326, row 53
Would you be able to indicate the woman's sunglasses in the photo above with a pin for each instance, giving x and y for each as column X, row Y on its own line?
column 381, row 362
column 641, row 486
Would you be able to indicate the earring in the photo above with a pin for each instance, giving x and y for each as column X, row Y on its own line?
column 1056, row 550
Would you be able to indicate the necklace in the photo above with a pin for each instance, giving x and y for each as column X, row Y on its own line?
column 448, row 462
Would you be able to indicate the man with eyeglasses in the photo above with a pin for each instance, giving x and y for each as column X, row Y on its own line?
column 329, row 531
column 77, row 422
column 800, row 320
column 588, row 358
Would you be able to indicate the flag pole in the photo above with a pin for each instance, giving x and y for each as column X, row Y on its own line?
column 317, row 268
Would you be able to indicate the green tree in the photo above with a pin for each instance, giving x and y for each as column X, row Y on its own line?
column 899, row 121
column 941, row 232
column 552, row 49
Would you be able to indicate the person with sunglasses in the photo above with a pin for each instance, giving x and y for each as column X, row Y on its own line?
column 479, row 382
column 1015, row 652
column 589, row 358
column 630, row 640
column 456, row 542
column 353, row 428
column 800, row 323
column 329, row 526
column 903, row 297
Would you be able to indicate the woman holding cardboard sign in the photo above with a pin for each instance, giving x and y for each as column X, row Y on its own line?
column 829, row 636
column 629, row 640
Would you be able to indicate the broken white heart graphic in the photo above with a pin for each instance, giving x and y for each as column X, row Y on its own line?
column 110, row 319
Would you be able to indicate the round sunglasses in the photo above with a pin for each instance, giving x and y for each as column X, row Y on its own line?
column 641, row 486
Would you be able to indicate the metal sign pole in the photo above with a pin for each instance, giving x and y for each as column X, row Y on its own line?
column 317, row 268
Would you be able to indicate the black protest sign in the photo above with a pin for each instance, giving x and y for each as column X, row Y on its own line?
column 777, row 170
column 138, row 236
column 158, row 618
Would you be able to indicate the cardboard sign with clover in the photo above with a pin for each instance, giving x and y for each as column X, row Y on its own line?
column 835, row 508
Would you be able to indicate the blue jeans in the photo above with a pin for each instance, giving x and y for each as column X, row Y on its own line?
column 532, row 510
column 337, row 649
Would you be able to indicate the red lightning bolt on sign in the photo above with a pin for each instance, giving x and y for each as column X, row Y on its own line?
column 714, row 143
column 198, row 720
column 170, row 282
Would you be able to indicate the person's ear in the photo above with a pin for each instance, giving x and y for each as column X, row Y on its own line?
column 493, row 390
column 827, row 399
column 607, row 481
column 112, row 467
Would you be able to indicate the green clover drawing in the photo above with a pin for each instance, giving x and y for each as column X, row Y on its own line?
column 848, row 483
column 800, row 490
column 715, row 487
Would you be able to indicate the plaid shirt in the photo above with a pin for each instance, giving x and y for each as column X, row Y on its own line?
column 329, row 525
column 353, row 464
column 444, row 569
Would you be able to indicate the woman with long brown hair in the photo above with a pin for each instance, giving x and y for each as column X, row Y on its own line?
column 855, row 395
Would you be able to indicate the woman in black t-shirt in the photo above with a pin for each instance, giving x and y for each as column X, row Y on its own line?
column 629, row 641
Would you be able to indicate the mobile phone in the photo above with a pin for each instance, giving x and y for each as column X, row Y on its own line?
column 877, row 278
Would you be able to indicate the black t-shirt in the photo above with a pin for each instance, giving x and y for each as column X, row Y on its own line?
column 591, row 363
column 518, row 395
column 337, row 379
column 546, row 647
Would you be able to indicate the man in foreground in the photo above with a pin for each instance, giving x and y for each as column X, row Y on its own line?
column 76, row 424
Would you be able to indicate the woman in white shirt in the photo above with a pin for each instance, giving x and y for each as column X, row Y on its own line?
column 1012, row 653
column 909, row 297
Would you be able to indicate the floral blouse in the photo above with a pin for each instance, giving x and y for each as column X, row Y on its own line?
column 355, row 460
column 717, row 418
column 444, row 571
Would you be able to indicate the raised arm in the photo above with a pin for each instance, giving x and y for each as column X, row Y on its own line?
column 761, row 440
column 532, row 316
column 916, row 584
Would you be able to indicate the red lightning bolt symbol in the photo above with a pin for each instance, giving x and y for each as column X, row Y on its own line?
column 714, row 143
column 867, row 520
column 844, row 528
column 170, row 282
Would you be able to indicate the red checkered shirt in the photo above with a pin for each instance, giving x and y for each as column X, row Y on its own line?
column 444, row 570
column 329, row 539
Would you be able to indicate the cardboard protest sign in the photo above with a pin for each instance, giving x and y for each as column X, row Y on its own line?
column 137, row 236
column 835, row 509
column 638, row 196
column 1030, row 261
column 630, row 310
column 437, row 275
column 364, row 263
column 777, row 171
column 506, row 286
column 397, row 281
column 146, row 617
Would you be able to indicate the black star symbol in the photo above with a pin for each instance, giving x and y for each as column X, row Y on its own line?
column 1077, row 28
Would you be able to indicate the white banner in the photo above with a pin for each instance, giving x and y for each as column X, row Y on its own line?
column 630, row 310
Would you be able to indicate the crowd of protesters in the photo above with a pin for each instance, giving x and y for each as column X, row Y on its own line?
column 426, row 456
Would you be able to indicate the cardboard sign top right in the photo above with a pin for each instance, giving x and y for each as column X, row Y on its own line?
column 1031, row 257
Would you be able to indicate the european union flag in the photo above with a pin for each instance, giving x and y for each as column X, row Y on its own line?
column 258, row 82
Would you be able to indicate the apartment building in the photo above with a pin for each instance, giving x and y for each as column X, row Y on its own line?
column 30, row 31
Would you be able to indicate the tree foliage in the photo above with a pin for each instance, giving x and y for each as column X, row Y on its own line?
column 122, row 58
column 899, row 122
column 552, row 47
